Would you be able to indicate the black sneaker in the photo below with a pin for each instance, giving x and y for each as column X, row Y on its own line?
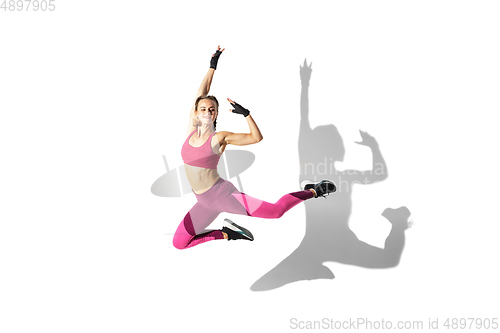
column 234, row 231
column 322, row 188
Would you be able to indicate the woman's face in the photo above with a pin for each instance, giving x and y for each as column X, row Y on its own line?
column 207, row 111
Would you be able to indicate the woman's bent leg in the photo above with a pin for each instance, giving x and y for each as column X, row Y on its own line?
column 192, row 231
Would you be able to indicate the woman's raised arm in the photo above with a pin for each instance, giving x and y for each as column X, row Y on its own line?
column 205, row 84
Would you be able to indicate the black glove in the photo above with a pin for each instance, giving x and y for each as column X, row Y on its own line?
column 239, row 109
column 215, row 58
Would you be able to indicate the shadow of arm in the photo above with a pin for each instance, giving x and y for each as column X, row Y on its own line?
column 378, row 171
column 305, row 77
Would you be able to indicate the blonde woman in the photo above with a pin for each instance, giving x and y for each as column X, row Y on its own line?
column 201, row 152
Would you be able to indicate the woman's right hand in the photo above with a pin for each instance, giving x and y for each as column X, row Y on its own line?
column 215, row 57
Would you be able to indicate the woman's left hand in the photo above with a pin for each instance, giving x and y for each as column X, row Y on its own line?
column 238, row 108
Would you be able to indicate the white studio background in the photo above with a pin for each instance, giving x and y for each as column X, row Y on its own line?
column 94, row 93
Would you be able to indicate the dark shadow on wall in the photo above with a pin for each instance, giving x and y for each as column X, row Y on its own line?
column 328, row 237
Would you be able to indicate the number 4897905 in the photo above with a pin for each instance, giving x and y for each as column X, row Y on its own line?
column 27, row 5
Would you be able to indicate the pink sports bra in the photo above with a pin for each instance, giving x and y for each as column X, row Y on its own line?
column 202, row 156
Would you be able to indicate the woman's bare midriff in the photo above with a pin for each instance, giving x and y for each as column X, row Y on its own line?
column 201, row 179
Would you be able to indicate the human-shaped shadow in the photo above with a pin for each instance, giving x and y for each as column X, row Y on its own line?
column 328, row 237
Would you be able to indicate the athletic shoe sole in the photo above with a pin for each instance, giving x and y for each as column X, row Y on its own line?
column 236, row 228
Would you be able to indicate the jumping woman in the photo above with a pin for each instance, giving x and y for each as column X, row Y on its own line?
column 201, row 152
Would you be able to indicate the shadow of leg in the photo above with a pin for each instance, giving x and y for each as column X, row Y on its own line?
column 296, row 267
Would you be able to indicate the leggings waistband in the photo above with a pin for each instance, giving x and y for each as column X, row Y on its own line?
column 212, row 190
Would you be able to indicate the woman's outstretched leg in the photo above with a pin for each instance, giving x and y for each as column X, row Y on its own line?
column 241, row 203
column 259, row 208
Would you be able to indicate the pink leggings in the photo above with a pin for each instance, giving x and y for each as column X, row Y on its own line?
column 224, row 197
